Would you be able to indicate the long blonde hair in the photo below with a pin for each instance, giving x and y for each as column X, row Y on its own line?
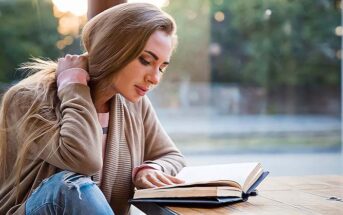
column 112, row 39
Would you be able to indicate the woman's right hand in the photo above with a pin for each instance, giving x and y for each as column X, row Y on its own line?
column 72, row 69
column 72, row 61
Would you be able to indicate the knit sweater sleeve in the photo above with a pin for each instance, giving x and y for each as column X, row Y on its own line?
column 159, row 148
column 75, row 144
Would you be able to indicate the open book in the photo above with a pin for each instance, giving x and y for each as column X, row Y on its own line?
column 208, row 184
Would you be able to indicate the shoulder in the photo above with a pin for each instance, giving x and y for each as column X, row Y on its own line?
column 14, row 103
column 19, row 94
column 19, row 98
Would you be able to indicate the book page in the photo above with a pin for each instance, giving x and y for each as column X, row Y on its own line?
column 182, row 192
column 237, row 172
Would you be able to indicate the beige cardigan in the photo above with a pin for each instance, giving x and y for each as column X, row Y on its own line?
column 78, row 147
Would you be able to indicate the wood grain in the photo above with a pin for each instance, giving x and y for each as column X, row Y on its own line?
column 283, row 196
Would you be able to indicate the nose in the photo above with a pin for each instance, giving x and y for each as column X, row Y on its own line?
column 154, row 77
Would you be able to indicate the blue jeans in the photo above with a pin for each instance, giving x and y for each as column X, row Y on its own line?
column 67, row 193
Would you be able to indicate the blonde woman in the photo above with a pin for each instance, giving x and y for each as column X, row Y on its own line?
column 78, row 135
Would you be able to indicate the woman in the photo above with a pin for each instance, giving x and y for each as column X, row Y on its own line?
column 66, row 132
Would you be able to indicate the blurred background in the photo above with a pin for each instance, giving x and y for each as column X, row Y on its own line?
column 256, row 80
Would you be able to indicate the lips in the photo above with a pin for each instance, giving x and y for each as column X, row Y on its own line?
column 141, row 90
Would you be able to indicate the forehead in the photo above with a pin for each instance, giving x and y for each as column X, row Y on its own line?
column 160, row 43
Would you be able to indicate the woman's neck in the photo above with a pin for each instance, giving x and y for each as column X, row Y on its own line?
column 102, row 107
column 101, row 99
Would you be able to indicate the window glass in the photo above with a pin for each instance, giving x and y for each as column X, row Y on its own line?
column 256, row 81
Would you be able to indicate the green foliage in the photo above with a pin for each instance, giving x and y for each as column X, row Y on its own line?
column 295, row 46
column 277, row 42
column 28, row 29
column 190, row 60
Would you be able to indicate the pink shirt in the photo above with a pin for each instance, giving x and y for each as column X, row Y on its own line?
column 103, row 120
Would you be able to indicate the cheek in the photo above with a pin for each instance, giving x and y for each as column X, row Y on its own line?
column 133, row 72
column 136, row 72
column 124, row 79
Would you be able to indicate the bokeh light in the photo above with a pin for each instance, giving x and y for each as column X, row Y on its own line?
column 76, row 7
column 219, row 16
column 339, row 31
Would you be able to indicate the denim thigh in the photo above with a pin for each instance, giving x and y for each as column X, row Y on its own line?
column 67, row 193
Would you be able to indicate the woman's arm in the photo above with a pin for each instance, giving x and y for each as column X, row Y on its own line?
column 75, row 143
column 159, row 148
column 159, row 151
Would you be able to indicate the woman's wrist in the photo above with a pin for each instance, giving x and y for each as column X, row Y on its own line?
column 71, row 76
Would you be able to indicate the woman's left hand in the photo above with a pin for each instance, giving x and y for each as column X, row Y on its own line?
column 150, row 178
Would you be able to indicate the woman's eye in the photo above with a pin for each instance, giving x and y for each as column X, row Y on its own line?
column 143, row 61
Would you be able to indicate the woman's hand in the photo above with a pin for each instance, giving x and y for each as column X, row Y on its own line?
column 150, row 178
column 72, row 61
column 72, row 69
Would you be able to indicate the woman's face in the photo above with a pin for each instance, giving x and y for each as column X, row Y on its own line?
column 144, row 72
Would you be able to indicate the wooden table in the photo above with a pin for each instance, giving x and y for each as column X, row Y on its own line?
column 277, row 195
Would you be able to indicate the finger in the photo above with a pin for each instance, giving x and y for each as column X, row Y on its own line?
column 175, row 180
column 83, row 57
column 145, row 183
column 155, row 181
column 84, row 54
column 164, row 179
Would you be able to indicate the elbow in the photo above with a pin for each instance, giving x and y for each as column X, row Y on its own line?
column 90, row 162
column 88, row 167
column 83, row 158
column 91, row 166
column 90, row 171
column 86, row 162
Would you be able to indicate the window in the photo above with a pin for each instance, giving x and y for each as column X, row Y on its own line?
column 256, row 81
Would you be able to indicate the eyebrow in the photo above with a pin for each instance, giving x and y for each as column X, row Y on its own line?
column 154, row 56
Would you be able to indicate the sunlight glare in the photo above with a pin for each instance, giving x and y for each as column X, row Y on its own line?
column 158, row 3
column 76, row 7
